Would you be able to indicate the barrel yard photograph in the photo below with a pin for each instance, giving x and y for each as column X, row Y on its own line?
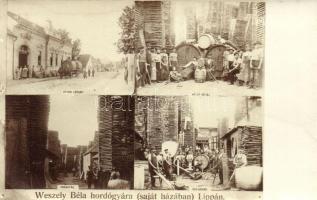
column 197, row 45
column 198, row 143
column 55, row 47
column 82, row 141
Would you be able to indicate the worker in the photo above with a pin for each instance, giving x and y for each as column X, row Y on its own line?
column 240, row 159
column 152, row 161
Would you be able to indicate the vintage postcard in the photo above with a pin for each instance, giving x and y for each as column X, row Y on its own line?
column 199, row 143
column 56, row 47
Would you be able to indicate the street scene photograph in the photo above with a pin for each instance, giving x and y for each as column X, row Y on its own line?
column 206, row 143
column 65, row 47
column 212, row 46
column 82, row 141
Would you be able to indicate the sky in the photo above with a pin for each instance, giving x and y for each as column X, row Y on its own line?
column 74, row 117
column 207, row 110
column 94, row 22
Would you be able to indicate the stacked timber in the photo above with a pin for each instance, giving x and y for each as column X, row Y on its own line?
column 116, row 134
column 105, row 132
column 162, row 120
column 53, row 143
column 26, row 134
column 251, row 142
column 149, row 18
column 186, row 126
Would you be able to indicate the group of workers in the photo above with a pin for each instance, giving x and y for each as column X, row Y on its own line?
column 167, row 164
column 99, row 179
column 239, row 66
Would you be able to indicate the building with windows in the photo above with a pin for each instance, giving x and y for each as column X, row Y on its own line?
column 207, row 136
column 31, row 45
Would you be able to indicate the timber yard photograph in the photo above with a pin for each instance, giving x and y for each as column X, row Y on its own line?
column 65, row 47
column 209, row 46
column 198, row 143
column 68, row 140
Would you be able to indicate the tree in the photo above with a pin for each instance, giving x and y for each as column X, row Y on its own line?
column 64, row 36
column 76, row 48
column 127, row 41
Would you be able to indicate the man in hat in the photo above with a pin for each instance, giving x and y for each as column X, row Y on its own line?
column 148, row 59
column 152, row 161
column 158, row 65
column 167, row 164
column 240, row 159
column 164, row 65
column 173, row 61
column 141, row 60
column 255, row 65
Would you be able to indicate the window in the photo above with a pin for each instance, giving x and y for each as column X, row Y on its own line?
column 214, row 142
column 51, row 60
column 39, row 58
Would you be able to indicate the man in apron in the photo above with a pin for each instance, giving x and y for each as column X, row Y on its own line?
column 255, row 65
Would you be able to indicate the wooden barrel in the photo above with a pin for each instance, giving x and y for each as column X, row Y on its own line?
column 216, row 54
column 201, row 161
column 249, row 177
column 186, row 53
column 205, row 41
column 200, row 75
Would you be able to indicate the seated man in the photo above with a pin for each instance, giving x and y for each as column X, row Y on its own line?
column 189, row 69
column 174, row 76
column 240, row 159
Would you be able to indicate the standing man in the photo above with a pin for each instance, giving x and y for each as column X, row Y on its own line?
column 90, row 177
column 219, row 166
column 93, row 72
column 255, row 65
column 158, row 65
column 31, row 71
column 167, row 164
column 141, row 59
column 148, row 55
column 173, row 61
column 152, row 161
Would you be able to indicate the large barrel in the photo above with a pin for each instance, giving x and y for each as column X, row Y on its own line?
column 249, row 177
column 186, row 53
column 205, row 41
column 216, row 54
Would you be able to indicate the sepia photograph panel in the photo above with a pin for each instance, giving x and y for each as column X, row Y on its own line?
column 204, row 143
column 86, row 142
column 208, row 46
column 71, row 46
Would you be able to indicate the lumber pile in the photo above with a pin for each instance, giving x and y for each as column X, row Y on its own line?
column 252, row 144
column 116, row 136
column 26, row 139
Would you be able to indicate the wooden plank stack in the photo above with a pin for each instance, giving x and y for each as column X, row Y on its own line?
column 163, row 119
column 53, row 143
column 116, row 134
column 251, row 142
column 154, row 18
column 27, row 119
